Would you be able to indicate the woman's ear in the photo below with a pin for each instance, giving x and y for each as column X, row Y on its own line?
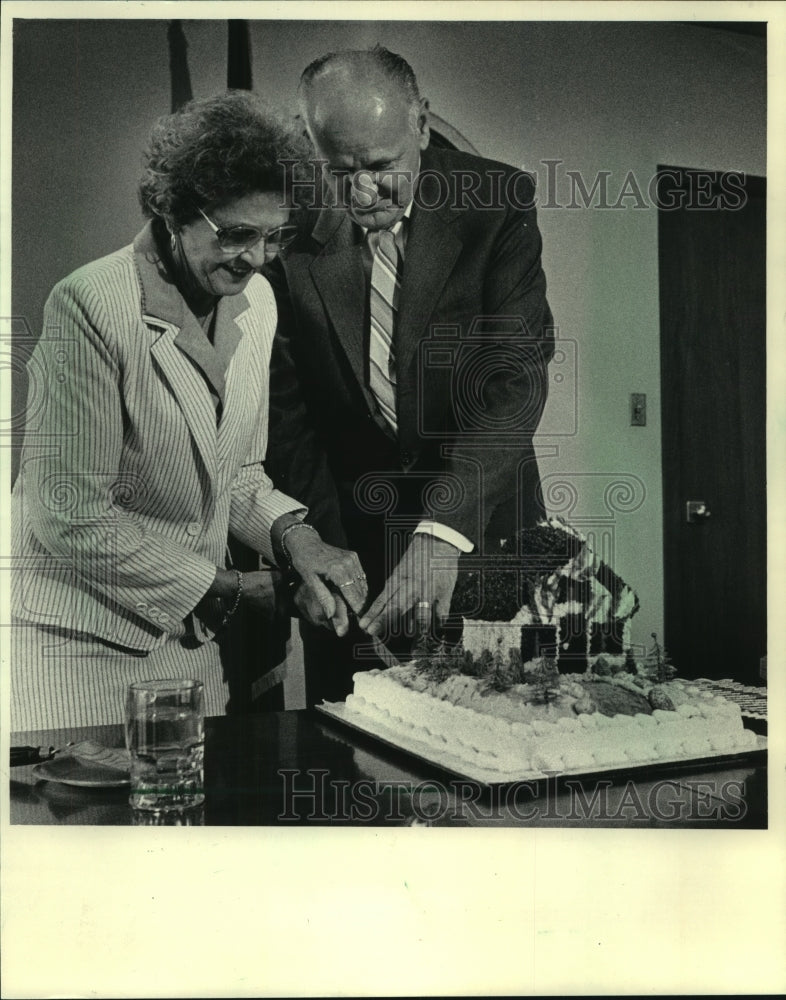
column 173, row 231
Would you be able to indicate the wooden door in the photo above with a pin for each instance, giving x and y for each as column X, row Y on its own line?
column 712, row 315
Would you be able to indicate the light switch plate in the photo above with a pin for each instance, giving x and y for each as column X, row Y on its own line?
column 638, row 409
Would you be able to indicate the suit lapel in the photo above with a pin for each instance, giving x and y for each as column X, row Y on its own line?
column 229, row 327
column 189, row 389
column 432, row 251
column 192, row 341
column 164, row 312
column 340, row 279
column 233, row 339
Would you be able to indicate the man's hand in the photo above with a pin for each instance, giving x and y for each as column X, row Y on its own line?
column 427, row 573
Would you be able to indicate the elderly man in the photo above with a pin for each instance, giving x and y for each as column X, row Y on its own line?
column 409, row 365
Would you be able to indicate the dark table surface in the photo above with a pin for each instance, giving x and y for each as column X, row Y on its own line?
column 302, row 768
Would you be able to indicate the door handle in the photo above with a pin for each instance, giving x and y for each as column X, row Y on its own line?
column 696, row 511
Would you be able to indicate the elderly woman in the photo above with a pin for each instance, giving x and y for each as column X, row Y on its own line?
column 146, row 434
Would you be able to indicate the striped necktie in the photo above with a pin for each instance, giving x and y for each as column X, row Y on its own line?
column 385, row 292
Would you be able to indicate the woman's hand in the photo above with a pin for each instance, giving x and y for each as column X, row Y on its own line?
column 312, row 611
column 333, row 579
column 307, row 604
column 225, row 594
column 259, row 590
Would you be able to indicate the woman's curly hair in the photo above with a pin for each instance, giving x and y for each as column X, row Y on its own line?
column 213, row 150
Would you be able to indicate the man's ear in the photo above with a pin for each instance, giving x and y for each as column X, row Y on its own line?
column 300, row 125
column 423, row 125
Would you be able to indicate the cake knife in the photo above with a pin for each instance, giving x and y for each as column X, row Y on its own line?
column 383, row 652
column 423, row 626
column 34, row 755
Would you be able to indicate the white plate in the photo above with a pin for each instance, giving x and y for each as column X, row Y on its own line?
column 87, row 765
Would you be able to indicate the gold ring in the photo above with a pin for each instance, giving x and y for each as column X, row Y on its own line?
column 349, row 583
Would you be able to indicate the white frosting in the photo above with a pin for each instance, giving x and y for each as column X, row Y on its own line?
column 477, row 730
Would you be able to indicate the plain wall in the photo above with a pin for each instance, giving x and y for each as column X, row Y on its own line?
column 615, row 97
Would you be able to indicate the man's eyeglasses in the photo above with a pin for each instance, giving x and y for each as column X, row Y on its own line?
column 238, row 239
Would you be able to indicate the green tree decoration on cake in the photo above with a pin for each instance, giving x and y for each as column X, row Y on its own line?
column 421, row 653
column 436, row 660
column 500, row 673
column 545, row 680
column 657, row 663
column 516, row 665
column 467, row 663
column 500, row 677
column 485, row 663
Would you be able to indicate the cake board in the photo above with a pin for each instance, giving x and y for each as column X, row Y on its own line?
column 470, row 771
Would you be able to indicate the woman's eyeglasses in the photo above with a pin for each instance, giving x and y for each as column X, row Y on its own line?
column 238, row 239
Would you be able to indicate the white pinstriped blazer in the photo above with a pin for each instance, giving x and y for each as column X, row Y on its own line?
column 128, row 484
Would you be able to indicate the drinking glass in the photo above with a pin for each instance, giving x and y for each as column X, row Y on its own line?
column 165, row 735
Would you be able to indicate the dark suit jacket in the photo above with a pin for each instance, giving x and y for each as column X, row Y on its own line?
column 472, row 344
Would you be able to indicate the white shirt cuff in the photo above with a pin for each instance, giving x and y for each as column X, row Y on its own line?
column 446, row 534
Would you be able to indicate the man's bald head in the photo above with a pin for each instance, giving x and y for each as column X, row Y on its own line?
column 366, row 118
column 367, row 69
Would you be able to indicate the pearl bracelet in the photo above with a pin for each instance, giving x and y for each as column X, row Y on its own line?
column 228, row 615
column 286, row 531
